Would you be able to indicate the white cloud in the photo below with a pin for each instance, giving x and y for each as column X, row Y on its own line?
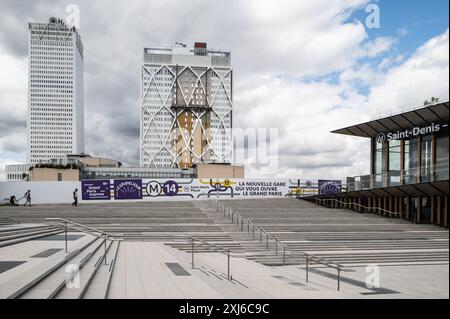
column 378, row 46
column 305, row 112
column 13, row 84
column 424, row 74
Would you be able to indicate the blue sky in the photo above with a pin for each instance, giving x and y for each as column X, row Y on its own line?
column 411, row 23
column 421, row 19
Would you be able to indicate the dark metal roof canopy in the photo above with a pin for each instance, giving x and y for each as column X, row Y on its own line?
column 425, row 116
column 439, row 188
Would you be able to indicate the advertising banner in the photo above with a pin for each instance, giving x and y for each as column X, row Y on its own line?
column 95, row 190
column 329, row 187
column 127, row 189
column 223, row 188
column 169, row 189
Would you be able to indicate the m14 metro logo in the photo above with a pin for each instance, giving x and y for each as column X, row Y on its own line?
column 169, row 188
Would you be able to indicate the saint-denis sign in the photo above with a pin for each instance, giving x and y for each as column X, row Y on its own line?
column 413, row 132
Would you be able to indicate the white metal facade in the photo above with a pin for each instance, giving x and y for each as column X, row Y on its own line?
column 55, row 123
column 186, row 107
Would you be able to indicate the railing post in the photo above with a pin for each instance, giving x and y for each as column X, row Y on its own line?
column 232, row 217
column 65, row 235
column 284, row 255
column 267, row 241
column 253, row 231
column 276, row 248
column 248, row 227
column 228, row 268
column 105, row 248
column 339, row 278
column 307, row 268
column 192, row 252
column 260, row 235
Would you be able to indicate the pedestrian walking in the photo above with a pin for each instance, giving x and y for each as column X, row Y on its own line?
column 27, row 198
column 75, row 197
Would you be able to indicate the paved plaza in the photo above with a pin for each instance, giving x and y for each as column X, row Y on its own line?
column 151, row 256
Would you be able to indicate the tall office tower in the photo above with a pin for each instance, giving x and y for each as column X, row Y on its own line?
column 55, row 123
column 186, row 106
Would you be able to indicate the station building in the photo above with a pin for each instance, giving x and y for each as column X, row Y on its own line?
column 408, row 165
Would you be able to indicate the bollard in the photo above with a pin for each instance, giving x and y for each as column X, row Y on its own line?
column 65, row 235
column 105, row 247
column 228, row 268
column 192, row 252
column 307, row 268
column 339, row 278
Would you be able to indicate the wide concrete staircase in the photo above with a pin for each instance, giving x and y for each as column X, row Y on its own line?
column 160, row 229
column 339, row 235
column 152, row 221
column 44, row 270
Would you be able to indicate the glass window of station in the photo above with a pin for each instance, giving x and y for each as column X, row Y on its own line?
column 408, row 161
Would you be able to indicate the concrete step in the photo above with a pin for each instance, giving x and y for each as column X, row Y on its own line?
column 98, row 287
column 27, row 233
column 6, row 231
column 19, row 284
column 29, row 237
column 215, row 278
column 86, row 273
column 54, row 282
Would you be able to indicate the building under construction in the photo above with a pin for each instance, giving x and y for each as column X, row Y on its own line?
column 186, row 106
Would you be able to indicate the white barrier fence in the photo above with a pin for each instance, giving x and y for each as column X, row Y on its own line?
column 157, row 189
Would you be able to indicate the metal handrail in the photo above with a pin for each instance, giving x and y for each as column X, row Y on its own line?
column 359, row 205
column 79, row 227
column 221, row 250
column 370, row 181
column 209, row 244
column 291, row 254
column 442, row 98
column 250, row 223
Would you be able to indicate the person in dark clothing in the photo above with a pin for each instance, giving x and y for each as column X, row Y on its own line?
column 27, row 197
column 13, row 201
column 75, row 197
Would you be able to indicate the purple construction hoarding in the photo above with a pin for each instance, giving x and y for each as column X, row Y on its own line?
column 95, row 189
column 329, row 187
column 128, row 189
